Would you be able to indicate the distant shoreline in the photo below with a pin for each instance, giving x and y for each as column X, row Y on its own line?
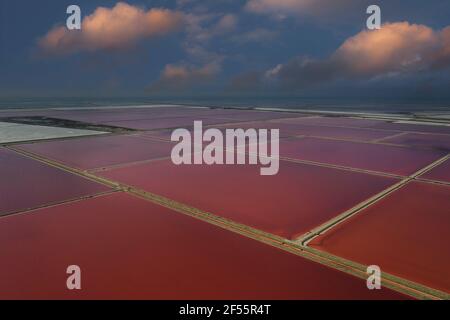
column 340, row 105
column 430, row 118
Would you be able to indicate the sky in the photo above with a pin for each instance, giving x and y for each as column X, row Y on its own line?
column 225, row 47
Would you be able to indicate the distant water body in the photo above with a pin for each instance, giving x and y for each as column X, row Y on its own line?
column 325, row 104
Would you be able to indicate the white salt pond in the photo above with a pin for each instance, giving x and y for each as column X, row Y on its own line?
column 12, row 132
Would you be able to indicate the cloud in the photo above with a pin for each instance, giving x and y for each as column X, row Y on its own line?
column 112, row 28
column 397, row 49
column 284, row 8
column 202, row 27
column 259, row 35
column 201, row 64
column 247, row 81
column 184, row 77
column 227, row 23
column 441, row 58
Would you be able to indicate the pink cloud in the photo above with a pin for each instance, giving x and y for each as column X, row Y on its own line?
column 112, row 28
column 183, row 77
column 397, row 48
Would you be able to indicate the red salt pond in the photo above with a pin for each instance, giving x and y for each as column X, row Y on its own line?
column 436, row 141
column 369, row 123
column 152, row 124
column 439, row 173
column 284, row 129
column 252, row 115
column 291, row 129
column 297, row 199
column 334, row 121
column 406, row 234
column 99, row 117
column 102, row 115
column 26, row 183
column 375, row 157
column 29, row 113
column 338, row 133
column 133, row 114
column 98, row 152
column 128, row 248
column 413, row 127
column 169, row 123
column 164, row 134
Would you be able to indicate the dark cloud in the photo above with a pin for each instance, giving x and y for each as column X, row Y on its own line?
column 247, row 81
column 281, row 9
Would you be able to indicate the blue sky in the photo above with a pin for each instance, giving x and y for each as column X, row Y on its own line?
column 225, row 47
